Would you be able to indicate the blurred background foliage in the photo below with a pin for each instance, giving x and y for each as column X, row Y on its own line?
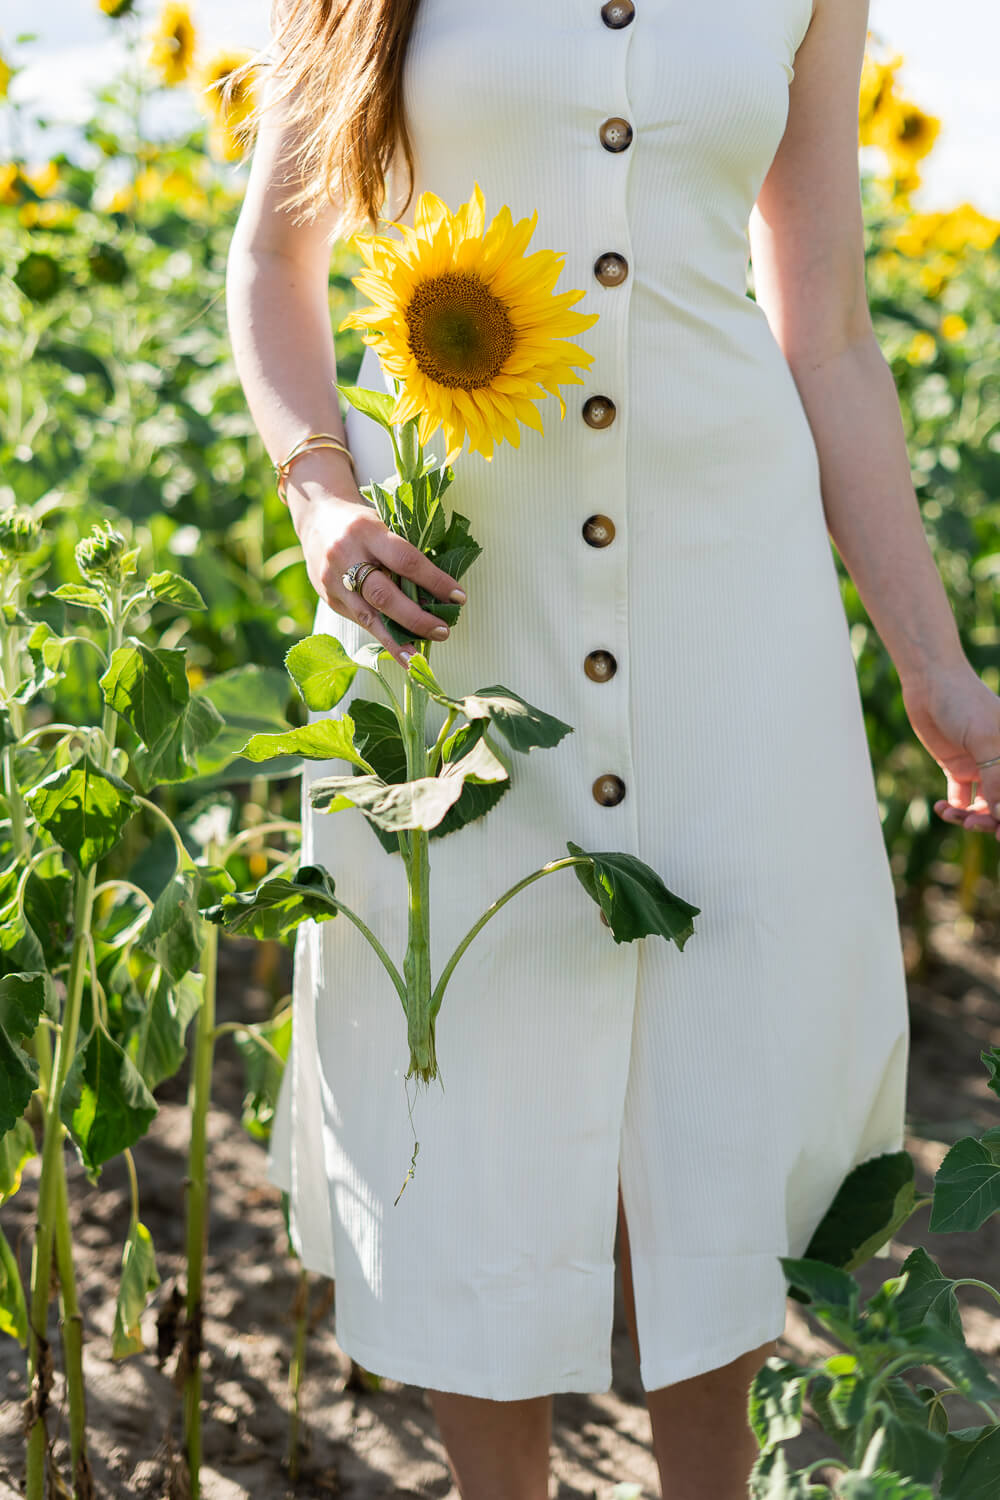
column 119, row 398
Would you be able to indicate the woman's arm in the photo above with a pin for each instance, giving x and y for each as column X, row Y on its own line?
column 282, row 340
column 807, row 248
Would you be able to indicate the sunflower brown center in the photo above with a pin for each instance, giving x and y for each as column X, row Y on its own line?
column 460, row 334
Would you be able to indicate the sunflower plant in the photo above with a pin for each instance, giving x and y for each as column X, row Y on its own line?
column 472, row 336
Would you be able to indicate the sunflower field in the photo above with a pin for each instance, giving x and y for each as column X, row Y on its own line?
column 151, row 586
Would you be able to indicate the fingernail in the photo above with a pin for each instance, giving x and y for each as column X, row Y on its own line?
column 405, row 658
column 996, row 809
column 440, row 632
column 458, row 596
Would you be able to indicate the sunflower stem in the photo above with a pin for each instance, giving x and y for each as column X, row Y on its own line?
column 410, row 451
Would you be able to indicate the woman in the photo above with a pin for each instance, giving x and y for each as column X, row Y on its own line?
column 656, row 571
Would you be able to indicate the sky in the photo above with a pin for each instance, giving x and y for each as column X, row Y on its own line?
column 950, row 51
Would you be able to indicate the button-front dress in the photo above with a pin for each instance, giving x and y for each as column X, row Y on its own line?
column 656, row 572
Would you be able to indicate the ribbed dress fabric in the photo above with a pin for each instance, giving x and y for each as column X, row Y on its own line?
column 728, row 1088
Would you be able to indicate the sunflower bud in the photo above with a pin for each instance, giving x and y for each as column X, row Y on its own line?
column 103, row 557
column 107, row 264
column 20, row 533
column 38, row 276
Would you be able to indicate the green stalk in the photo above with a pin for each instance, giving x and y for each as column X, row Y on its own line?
column 296, row 1368
column 52, row 1218
column 51, row 1203
column 199, row 1094
column 417, row 963
column 491, row 911
column 9, row 646
column 72, row 1334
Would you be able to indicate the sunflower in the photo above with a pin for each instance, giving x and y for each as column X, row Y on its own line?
column 876, row 94
column 116, row 8
column 6, row 74
column 229, row 104
column 172, row 53
column 467, row 323
column 906, row 134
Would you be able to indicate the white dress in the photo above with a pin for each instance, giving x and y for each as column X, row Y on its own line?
column 729, row 1087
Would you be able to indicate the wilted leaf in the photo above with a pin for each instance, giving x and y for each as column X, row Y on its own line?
column 16, row 1147
column 13, row 1309
column 278, row 905
column 633, row 898
column 139, row 1277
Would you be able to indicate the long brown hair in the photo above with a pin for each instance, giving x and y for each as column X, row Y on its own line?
column 339, row 63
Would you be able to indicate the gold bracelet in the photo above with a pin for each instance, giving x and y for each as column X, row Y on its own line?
column 308, row 445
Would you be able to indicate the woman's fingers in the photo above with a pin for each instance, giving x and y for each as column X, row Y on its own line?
column 400, row 556
column 379, row 591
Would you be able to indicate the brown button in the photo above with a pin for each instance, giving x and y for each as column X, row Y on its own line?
column 600, row 666
column 617, row 13
column 611, row 268
column 599, row 411
column 608, row 790
column 598, row 530
column 615, row 134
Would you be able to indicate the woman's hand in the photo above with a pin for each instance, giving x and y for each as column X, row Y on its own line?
column 956, row 718
column 338, row 529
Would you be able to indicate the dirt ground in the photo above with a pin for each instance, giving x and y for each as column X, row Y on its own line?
column 357, row 1442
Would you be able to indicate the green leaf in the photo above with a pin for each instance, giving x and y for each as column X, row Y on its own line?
column 911, row 1450
column 992, row 1060
column 871, row 1204
column 84, row 809
column 172, row 934
column 375, row 404
column 771, row 1479
column 633, row 898
column 22, row 999
column 149, row 689
column 929, row 1295
column 13, row 1308
column 45, row 649
column 18, row 1081
column 80, row 594
column 522, row 725
column 16, row 1147
column 105, row 1104
column 776, row 1397
column 327, row 739
column 857, row 1486
column 368, row 655
column 478, row 797
column 159, row 1048
column 377, row 737
column 966, row 1188
column 972, row 1468
column 321, row 670
column 176, row 756
column 824, row 1285
column 139, row 1277
column 378, row 740
column 420, row 803
column 278, row 905
column 250, row 700
column 171, row 588
column 935, row 1346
